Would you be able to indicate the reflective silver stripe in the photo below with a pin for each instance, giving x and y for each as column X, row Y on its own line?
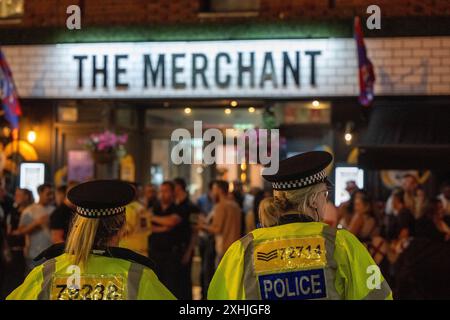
column 250, row 280
column 329, row 233
column 134, row 279
column 379, row 294
column 48, row 269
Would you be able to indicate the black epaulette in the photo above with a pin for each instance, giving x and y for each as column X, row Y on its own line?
column 111, row 252
column 51, row 252
column 127, row 254
column 294, row 218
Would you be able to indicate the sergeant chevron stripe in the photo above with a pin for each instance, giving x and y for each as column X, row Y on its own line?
column 267, row 256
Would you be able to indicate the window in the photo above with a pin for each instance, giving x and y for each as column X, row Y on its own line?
column 10, row 9
column 307, row 113
column 229, row 6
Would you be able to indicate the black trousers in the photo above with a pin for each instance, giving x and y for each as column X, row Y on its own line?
column 13, row 274
column 208, row 255
column 171, row 272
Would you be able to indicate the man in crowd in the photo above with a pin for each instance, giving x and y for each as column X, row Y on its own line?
column 205, row 201
column 400, row 216
column 16, row 268
column 61, row 217
column 34, row 224
column 206, row 241
column 6, row 205
column 409, row 186
column 190, row 211
column 169, row 240
column 137, row 227
column 405, row 221
column 351, row 187
column 150, row 198
column 226, row 220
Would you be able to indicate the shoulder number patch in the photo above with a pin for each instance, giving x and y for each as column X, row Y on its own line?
column 287, row 254
column 93, row 287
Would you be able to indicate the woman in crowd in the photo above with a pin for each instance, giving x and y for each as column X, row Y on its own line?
column 422, row 202
column 363, row 223
column 421, row 269
column 432, row 224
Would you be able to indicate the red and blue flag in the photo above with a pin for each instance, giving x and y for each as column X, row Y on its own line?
column 366, row 73
column 9, row 97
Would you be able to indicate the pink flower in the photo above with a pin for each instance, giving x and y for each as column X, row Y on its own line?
column 101, row 146
column 122, row 139
column 105, row 141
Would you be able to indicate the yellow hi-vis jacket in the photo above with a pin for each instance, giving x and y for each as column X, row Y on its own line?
column 138, row 227
column 104, row 278
column 307, row 260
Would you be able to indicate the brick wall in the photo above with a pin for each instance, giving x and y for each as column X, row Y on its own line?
column 403, row 66
column 417, row 65
column 120, row 12
column 348, row 8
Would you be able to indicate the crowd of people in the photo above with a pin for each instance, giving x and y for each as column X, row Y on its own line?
column 166, row 225
column 396, row 230
column 162, row 223
column 28, row 228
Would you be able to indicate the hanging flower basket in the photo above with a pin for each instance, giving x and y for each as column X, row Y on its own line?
column 103, row 157
column 105, row 147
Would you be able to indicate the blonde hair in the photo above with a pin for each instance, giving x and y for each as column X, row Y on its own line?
column 283, row 201
column 87, row 233
column 268, row 213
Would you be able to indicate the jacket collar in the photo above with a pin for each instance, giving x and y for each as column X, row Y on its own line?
column 294, row 217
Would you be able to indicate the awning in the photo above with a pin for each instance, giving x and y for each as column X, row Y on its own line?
column 405, row 157
column 409, row 136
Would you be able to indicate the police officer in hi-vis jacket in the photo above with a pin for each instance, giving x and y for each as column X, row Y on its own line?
column 90, row 266
column 294, row 255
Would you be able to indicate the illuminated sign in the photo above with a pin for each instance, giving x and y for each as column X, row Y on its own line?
column 32, row 175
column 183, row 71
column 344, row 175
column 186, row 69
column 271, row 68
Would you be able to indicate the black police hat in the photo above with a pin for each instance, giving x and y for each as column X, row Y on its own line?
column 300, row 171
column 101, row 198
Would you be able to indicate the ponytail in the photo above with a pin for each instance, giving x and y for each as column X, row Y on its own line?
column 269, row 212
column 284, row 201
column 87, row 233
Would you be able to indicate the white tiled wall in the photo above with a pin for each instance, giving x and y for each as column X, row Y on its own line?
column 403, row 66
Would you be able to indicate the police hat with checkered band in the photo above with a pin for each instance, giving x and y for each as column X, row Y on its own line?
column 101, row 198
column 301, row 171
